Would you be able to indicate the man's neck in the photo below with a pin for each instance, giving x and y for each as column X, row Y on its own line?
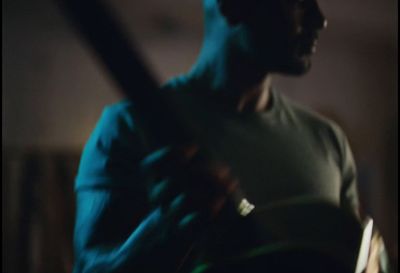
column 233, row 82
column 256, row 99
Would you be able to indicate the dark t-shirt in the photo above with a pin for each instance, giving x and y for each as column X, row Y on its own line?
column 284, row 153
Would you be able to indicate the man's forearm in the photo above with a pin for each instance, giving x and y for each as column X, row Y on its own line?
column 146, row 250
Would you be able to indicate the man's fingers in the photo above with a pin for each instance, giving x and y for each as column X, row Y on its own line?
column 224, row 181
column 163, row 192
column 152, row 160
column 178, row 206
column 217, row 205
column 169, row 160
column 189, row 150
column 188, row 220
column 191, row 188
column 184, row 215
column 210, row 181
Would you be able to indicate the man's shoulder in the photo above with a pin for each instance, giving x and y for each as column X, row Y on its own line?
column 121, row 119
column 177, row 83
column 126, row 107
column 118, row 109
column 114, row 146
column 116, row 119
column 308, row 116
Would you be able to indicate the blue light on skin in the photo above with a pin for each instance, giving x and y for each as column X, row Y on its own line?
column 93, row 250
column 215, row 65
column 237, row 59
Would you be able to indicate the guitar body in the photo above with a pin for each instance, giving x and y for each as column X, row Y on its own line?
column 301, row 236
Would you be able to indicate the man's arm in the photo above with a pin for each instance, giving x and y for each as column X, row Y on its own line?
column 349, row 193
column 104, row 230
column 117, row 229
column 111, row 236
column 113, row 218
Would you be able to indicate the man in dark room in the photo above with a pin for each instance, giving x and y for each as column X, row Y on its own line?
column 259, row 140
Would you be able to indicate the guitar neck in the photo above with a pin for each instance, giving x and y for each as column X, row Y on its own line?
column 98, row 26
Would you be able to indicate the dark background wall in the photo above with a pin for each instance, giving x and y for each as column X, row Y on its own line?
column 54, row 90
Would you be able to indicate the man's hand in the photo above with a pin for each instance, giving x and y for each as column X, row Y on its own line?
column 189, row 189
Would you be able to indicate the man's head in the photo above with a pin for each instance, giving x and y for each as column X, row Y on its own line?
column 278, row 36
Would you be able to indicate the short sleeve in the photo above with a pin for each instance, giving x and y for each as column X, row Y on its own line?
column 111, row 155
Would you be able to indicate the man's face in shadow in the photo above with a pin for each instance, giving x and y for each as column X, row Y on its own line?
column 281, row 35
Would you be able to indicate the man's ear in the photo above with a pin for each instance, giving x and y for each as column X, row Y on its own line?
column 231, row 10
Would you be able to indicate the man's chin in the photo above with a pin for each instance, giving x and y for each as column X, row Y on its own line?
column 281, row 64
column 296, row 67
